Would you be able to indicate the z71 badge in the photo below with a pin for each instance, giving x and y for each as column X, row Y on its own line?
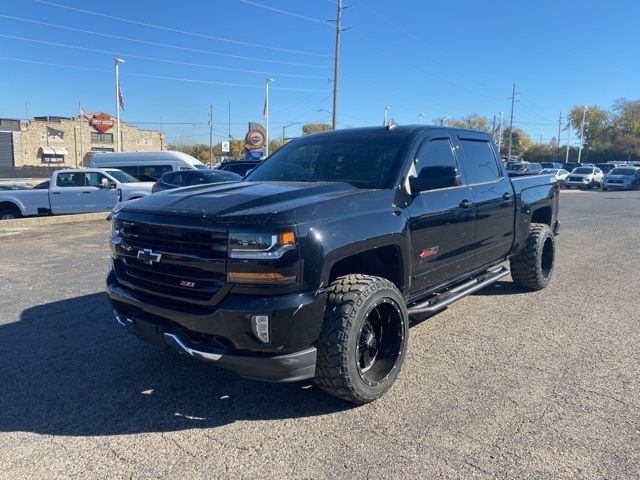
column 429, row 252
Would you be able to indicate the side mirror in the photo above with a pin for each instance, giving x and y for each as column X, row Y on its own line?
column 431, row 178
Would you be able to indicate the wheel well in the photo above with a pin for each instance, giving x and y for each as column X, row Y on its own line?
column 10, row 205
column 542, row 215
column 385, row 262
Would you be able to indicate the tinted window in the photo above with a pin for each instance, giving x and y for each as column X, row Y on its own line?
column 74, row 179
column 479, row 161
column 150, row 173
column 436, row 153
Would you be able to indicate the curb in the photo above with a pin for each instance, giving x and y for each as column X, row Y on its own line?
column 53, row 220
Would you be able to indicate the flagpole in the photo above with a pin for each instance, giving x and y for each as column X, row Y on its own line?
column 80, row 120
column 500, row 133
column 266, row 116
column 566, row 160
column 117, row 62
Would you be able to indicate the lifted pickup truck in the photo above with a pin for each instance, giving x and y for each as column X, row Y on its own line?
column 74, row 191
column 313, row 264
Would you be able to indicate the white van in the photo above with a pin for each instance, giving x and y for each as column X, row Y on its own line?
column 146, row 166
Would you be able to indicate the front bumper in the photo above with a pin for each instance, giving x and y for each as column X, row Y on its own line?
column 618, row 186
column 573, row 183
column 223, row 335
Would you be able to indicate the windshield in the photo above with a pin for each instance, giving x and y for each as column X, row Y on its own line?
column 122, row 177
column 222, row 176
column 583, row 170
column 201, row 166
column 362, row 159
column 514, row 167
column 551, row 171
column 623, row 171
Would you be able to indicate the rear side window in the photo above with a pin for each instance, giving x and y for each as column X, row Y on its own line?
column 479, row 162
column 74, row 179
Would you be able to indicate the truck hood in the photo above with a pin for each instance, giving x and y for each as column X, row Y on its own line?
column 243, row 202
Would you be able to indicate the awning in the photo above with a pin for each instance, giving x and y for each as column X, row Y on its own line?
column 58, row 151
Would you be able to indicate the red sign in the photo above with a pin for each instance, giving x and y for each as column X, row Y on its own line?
column 101, row 122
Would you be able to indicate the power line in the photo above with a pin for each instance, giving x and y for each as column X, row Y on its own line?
column 285, row 12
column 77, row 47
column 184, row 32
column 160, row 77
column 164, row 45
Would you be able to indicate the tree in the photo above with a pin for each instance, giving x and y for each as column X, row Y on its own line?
column 520, row 142
column 597, row 123
column 308, row 128
column 473, row 120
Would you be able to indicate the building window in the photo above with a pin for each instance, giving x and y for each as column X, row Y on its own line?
column 97, row 137
column 102, row 149
column 52, row 158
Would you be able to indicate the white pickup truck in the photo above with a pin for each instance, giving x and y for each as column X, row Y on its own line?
column 80, row 190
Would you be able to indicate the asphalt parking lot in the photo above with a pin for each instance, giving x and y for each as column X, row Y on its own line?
column 502, row 384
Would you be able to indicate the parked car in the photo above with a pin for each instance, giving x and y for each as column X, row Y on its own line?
column 627, row 178
column 554, row 165
column 584, row 177
column 605, row 167
column 560, row 174
column 523, row 168
column 146, row 166
column 73, row 191
column 312, row 265
column 187, row 178
column 241, row 167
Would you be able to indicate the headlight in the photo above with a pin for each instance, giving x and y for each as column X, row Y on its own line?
column 260, row 246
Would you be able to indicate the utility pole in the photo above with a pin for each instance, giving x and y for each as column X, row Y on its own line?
column 584, row 116
column 500, row 133
column 211, row 135
column 117, row 62
column 336, row 62
column 420, row 115
column 513, row 100
column 386, row 110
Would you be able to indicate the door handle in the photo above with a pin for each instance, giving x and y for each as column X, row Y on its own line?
column 506, row 196
column 465, row 204
column 86, row 192
column 55, row 193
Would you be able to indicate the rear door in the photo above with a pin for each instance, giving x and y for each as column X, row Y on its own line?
column 96, row 198
column 65, row 195
column 493, row 198
column 440, row 220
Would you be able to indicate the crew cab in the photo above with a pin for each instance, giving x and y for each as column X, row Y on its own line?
column 313, row 264
column 74, row 191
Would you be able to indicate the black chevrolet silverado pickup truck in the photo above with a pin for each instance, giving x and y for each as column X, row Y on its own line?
column 313, row 265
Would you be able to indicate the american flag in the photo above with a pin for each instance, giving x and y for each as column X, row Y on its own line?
column 264, row 109
column 566, row 127
column 84, row 114
column 120, row 97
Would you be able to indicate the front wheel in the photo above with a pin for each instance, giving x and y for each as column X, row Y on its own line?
column 364, row 338
column 533, row 266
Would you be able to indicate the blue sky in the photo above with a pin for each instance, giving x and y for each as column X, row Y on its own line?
column 437, row 58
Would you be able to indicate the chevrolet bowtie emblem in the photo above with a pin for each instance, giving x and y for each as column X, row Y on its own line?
column 148, row 256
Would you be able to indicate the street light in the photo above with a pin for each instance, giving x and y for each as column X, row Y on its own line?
column 266, row 113
column 287, row 126
column 117, row 62
column 420, row 115
column 386, row 109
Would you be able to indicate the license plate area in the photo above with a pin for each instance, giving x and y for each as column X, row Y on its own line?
column 149, row 332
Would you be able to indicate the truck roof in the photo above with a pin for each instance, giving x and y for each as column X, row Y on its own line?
column 395, row 129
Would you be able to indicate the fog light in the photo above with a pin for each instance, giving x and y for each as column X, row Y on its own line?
column 260, row 327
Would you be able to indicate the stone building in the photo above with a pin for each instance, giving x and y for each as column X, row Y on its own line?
column 65, row 141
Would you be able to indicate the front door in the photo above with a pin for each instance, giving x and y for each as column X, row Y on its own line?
column 441, row 221
column 66, row 195
column 97, row 197
column 493, row 198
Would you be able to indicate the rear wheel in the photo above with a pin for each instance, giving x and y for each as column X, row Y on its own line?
column 9, row 213
column 364, row 338
column 533, row 266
